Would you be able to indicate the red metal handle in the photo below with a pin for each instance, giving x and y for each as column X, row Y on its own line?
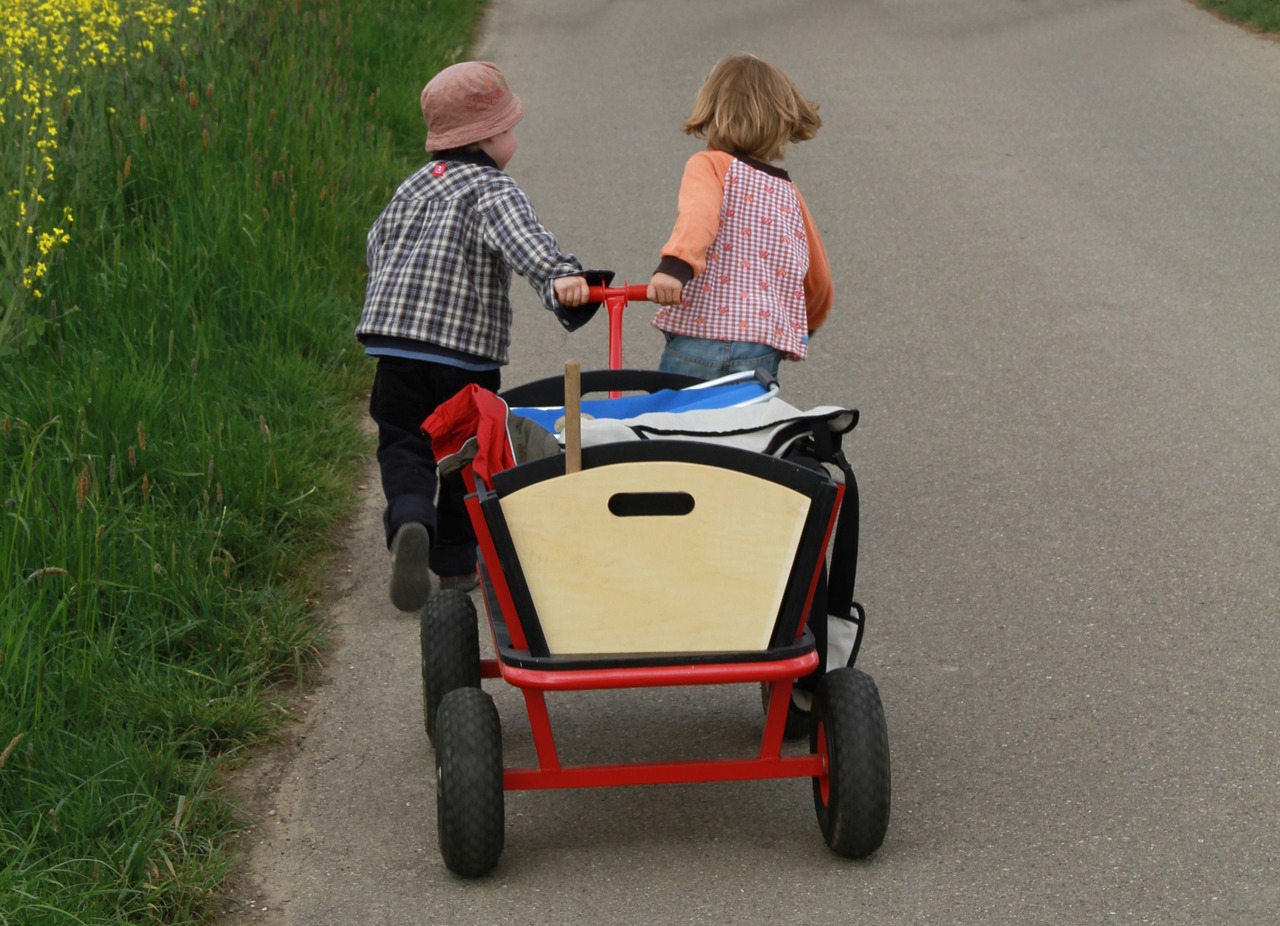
column 615, row 299
column 629, row 293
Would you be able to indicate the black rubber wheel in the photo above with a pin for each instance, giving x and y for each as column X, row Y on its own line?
column 469, row 796
column 450, row 643
column 850, row 733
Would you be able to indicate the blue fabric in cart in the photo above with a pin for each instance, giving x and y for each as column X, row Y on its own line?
column 664, row 400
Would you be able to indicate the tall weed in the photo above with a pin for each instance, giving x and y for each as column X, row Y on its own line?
column 177, row 431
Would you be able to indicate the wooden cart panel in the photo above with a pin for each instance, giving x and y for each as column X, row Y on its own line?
column 633, row 557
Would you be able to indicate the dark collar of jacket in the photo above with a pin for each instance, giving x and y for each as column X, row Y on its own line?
column 466, row 156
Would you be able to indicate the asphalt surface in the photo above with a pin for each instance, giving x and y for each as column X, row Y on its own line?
column 1055, row 232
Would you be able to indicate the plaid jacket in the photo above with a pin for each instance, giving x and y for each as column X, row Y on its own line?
column 441, row 254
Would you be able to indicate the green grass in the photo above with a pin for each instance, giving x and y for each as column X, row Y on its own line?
column 178, row 434
column 1262, row 15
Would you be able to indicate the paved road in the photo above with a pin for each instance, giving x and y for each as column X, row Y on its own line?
column 1055, row 230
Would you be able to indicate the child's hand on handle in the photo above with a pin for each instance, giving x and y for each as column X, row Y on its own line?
column 664, row 289
column 571, row 291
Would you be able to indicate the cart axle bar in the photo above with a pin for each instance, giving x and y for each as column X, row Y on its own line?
column 661, row 773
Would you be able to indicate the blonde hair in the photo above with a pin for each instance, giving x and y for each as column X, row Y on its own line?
column 750, row 106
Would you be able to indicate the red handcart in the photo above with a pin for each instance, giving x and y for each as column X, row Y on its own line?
column 569, row 545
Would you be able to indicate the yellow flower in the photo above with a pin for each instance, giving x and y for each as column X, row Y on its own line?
column 46, row 49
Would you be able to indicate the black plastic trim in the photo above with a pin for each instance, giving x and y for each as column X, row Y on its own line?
column 816, row 484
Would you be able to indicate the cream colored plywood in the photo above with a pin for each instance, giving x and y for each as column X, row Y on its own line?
column 708, row 581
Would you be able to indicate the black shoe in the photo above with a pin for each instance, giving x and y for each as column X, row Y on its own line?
column 410, row 580
column 466, row 582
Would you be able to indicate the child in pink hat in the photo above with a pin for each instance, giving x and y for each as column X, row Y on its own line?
column 437, row 312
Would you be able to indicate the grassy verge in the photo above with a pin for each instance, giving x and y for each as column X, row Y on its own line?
column 187, row 189
column 1260, row 15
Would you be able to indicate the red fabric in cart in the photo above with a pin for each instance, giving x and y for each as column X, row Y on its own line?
column 472, row 413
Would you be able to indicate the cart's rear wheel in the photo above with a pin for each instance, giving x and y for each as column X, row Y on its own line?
column 450, row 644
column 469, row 796
column 850, row 733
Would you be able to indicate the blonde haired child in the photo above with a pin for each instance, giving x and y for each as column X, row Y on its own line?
column 744, row 278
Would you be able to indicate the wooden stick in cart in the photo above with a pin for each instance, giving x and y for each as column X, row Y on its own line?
column 572, row 416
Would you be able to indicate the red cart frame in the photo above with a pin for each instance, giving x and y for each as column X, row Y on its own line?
column 848, row 756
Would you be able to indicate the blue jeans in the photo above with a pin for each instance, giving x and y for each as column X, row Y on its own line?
column 709, row 359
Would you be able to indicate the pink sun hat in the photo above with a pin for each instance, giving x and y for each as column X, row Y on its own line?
column 466, row 103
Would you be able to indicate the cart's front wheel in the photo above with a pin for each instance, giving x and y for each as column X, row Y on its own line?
column 469, row 796
column 450, row 642
column 849, row 732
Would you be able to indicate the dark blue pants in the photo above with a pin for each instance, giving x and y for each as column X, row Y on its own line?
column 404, row 393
